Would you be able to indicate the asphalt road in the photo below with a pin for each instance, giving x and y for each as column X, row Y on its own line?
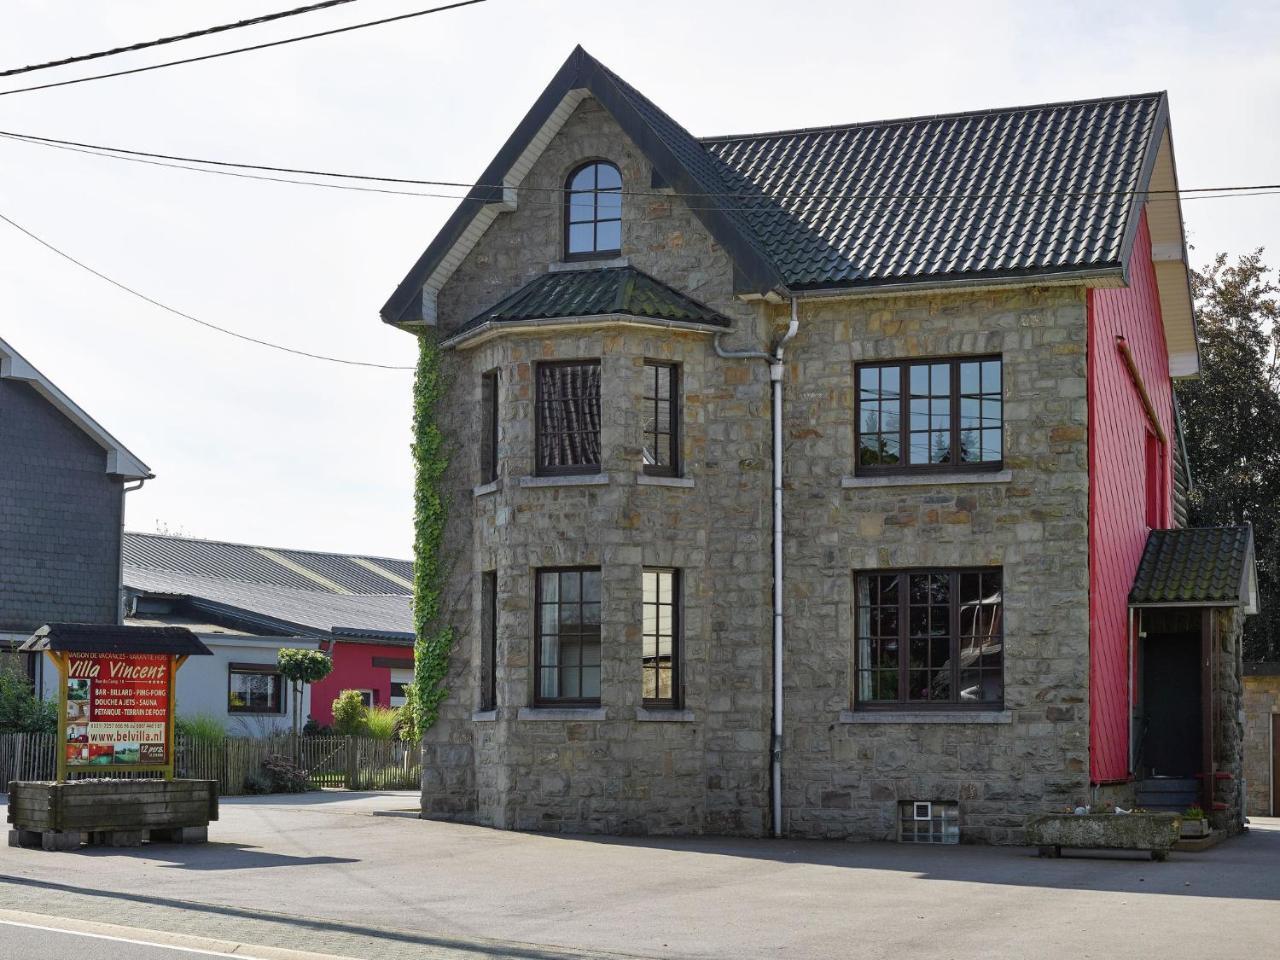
column 359, row 875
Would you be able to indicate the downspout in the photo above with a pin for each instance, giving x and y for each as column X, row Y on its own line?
column 124, row 489
column 776, row 368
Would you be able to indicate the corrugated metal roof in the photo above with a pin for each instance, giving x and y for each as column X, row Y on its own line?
column 595, row 292
column 1039, row 188
column 1195, row 565
column 249, row 564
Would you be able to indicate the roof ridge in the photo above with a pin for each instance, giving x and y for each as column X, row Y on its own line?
column 924, row 118
column 260, row 546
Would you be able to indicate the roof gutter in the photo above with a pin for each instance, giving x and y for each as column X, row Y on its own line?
column 493, row 328
column 1114, row 275
column 776, row 370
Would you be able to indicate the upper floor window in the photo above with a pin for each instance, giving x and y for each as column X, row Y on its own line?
column 567, row 427
column 923, row 415
column 929, row 638
column 568, row 636
column 593, row 212
column 661, row 415
column 489, row 426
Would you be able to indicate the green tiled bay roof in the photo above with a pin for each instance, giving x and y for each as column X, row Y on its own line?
column 597, row 292
column 1206, row 565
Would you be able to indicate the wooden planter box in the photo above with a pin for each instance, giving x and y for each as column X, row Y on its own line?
column 1153, row 832
column 61, row 816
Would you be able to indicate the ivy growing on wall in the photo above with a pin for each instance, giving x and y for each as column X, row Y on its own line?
column 434, row 637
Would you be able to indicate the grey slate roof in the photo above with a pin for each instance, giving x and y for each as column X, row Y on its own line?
column 109, row 638
column 1210, row 566
column 1007, row 193
column 589, row 293
column 246, row 583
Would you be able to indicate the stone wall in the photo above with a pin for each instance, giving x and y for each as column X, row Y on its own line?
column 1261, row 703
column 706, row 769
column 1228, row 727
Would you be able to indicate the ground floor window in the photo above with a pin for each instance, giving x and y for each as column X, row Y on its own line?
column 930, row 639
column 567, row 637
column 254, row 688
column 660, row 638
column 925, row 821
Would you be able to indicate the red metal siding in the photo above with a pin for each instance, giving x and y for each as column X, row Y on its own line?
column 1118, row 490
column 353, row 669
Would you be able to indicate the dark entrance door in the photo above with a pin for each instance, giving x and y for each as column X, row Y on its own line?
column 1171, row 699
column 1275, row 764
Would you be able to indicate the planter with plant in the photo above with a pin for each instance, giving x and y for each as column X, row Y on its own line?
column 1195, row 824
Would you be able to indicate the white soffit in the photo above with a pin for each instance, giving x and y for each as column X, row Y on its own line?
column 1169, row 255
column 511, row 182
column 120, row 462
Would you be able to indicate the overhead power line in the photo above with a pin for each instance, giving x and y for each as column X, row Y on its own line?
column 249, row 49
column 232, row 168
column 186, row 316
column 191, row 35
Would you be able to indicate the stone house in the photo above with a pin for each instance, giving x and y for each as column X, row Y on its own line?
column 800, row 479
column 63, row 479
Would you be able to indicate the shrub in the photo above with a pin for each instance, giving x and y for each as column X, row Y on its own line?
column 313, row 729
column 284, row 775
column 382, row 723
column 201, row 728
column 257, row 783
column 1194, row 813
column 21, row 711
column 349, row 714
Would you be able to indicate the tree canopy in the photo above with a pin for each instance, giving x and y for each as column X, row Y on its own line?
column 1231, row 419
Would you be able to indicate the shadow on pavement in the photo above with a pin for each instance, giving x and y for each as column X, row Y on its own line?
column 494, row 948
column 211, row 856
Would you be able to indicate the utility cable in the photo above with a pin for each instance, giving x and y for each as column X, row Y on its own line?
column 256, row 46
column 186, row 316
column 191, row 35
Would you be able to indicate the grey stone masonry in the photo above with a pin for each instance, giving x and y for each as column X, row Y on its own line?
column 60, row 518
column 705, row 768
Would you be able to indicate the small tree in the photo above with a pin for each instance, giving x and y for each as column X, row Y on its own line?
column 349, row 714
column 299, row 667
column 21, row 711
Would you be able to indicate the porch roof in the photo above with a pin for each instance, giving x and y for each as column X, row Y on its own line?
column 111, row 638
column 1197, row 566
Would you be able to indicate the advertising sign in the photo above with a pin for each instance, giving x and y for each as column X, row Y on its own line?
column 118, row 709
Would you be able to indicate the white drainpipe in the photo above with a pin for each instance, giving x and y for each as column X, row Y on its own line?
column 776, row 368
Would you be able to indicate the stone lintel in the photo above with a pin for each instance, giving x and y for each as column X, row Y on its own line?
column 927, row 716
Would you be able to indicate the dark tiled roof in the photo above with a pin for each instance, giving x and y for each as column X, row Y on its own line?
column 1021, row 192
column 589, row 293
column 107, row 638
column 1207, row 565
column 1042, row 188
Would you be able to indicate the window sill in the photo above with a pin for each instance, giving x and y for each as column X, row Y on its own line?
column 569, row 480
column 660, row 715
column 927, row 716
column 484, row 489
column 561, row 713
column 645, row 480
column 484, row 716
column 588, row 262
column 928, row 479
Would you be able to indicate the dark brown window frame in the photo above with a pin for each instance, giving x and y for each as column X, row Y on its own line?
column 904, row 417
column 572, row 470
column 676, row 700
column 569, row 193
column 538, row 699
column 489, row 640
column 903, row 704
column 489, row 426
column 673, row 467
column 262, row 669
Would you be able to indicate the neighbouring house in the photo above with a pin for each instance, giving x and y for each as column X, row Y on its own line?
column 63, row 480
column 247, row 602
column 823, row 482
column 1262, row 738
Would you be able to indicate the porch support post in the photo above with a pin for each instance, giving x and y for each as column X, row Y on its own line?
column 1206, row 712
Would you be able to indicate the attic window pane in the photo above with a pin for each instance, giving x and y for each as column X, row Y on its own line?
column 593, row 211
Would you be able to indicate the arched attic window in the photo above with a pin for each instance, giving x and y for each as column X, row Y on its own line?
column 593, row 212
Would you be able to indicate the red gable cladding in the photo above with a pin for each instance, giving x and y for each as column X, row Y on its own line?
column 1118, row 438
column 353, row 669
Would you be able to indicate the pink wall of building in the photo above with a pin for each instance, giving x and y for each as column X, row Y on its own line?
column 353, row 669
column 1118, row 439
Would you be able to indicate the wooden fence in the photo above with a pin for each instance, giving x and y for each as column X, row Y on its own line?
column 342, row 763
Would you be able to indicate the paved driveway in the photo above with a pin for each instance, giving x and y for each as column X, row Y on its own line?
column 358, row 874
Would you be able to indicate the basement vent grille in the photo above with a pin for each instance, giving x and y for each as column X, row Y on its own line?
column 924, row 821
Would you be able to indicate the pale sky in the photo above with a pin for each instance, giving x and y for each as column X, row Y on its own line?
column 253, row 445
